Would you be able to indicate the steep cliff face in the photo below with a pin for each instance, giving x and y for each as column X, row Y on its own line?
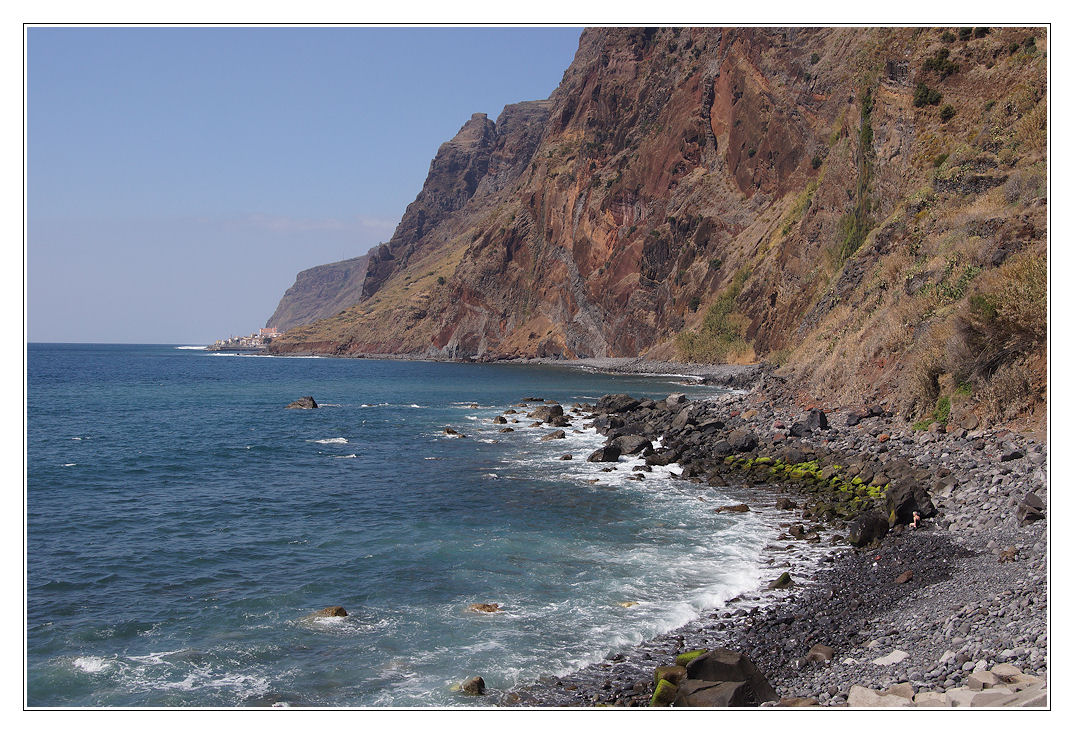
column 320, row 292
column 842, row 201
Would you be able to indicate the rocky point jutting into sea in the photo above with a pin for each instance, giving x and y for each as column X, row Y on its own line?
column 861, row 211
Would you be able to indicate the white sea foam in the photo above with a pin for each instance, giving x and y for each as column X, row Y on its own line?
column 70, row 464
column 340, row 439
column 91, row 664
column 202, row 347
column 348, row 456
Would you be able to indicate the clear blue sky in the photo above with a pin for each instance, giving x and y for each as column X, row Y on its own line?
column 179, row 178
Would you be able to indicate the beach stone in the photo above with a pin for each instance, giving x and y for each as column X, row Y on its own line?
column 733, row 508
column 818, row 654
column 566, row 457
column 982, row 679
column 474, row 686
column 499, row 419
column 1006, row 671
column 331, row 612
column 930, row 699
column 783, row 582
column 304, row 403
column 723, row 664
column 675, row 401
column 865, row 528
column 554, row 435
column 664, row 693
column 1030, row 509
column 618, row 403
column 862, row 697
column 892, row 658
column 546, row 413
column 797, row 702
column 784, row 503
column 633, row 444
column 605, row 453
column 672, row 673
column 742, row 440
column 816, row 420
column 904, row 577
column 709, row 694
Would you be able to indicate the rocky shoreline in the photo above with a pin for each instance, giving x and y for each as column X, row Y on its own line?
column 949, row 611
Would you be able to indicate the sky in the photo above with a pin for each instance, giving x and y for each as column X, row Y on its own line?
column 179, row 178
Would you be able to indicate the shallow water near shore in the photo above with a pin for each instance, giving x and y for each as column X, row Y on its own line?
column 183, row 526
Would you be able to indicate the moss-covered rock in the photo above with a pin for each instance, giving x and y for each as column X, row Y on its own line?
column 686, row 657
column 664, row 693
column 671, row 673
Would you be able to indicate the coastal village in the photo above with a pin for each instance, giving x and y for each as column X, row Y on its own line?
column 252, row 342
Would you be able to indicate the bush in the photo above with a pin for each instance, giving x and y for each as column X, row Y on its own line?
column 440, row 280
column 947, row 112
column 981, row 32
column 817, row 161
column 940, row 62
column 964, row 34
column 947, row 37
column 939, row 160
column 925, row 96
column 814, row 59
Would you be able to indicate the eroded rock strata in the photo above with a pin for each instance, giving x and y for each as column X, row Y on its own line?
column 864, row 206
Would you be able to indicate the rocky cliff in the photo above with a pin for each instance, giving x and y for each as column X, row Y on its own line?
column 321, row 292
column 865, row 207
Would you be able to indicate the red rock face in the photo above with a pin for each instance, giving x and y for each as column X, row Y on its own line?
column 671, row 163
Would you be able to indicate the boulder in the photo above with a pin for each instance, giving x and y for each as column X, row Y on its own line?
column 546, row 413
column 1030, row 509
column 797, row 702
column 675, row 674
column 618, row 403
column 633, row 444
column 499, row 419
column 605, row 453
column 566, row 457
column 722, row 665
column 709, row 694
column 331, row 612
column 733, row 508
column 675, row 401
column 742, row 440
column 866, row 528
column 902, row 499
column 305, row 403
column 783, row 582
column 662, row 457
column 800, row 430
column 816, row 420
column 474, row 686
column 664, row 693
column 683, row 418
column 892, row 658
column 783, row 503
column 554, row 435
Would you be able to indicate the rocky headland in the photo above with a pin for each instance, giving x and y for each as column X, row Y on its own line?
column 945, row 607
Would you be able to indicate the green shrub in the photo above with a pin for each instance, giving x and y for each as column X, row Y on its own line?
column 981, row 32
column 814, row 59
column 817, row 161
column 923, row 95
column 947, row 37
column 939, row 160
column 440, row 280
column 939, row 62
column 964, row 34
column 947, row 112
column 721, row 330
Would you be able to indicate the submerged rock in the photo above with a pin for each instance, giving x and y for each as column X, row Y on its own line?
column 474, row 686
column 488, row 608
column 304, row 403
column 336, row 611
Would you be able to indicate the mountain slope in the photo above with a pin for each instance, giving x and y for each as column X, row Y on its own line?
column 864, row 206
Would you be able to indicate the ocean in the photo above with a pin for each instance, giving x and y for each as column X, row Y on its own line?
column 183, row 527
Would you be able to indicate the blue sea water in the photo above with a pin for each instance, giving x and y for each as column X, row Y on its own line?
column 182, row 526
